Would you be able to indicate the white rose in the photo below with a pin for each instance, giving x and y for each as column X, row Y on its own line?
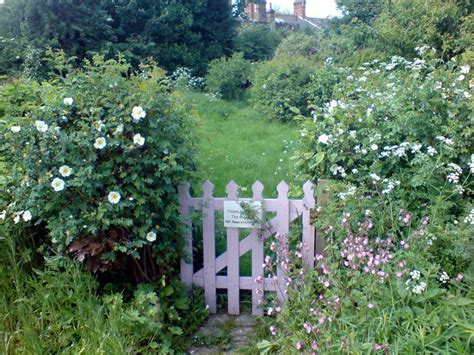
column 114, row 197
column 323, row 138
column 27, row 216
column 68, row 101
column 15, row 129
column 100, row 143
column 41, row 126
column 151, row 236
column 65, row 171
column 119, row 129
column 138, row 113
column 465, row 69
column 58, row 184
column 138, row 139
column 374, row 147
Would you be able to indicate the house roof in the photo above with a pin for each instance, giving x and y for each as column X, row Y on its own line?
column 301, row 22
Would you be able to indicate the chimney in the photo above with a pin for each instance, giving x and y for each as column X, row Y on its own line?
column 262, row 11
column 271, row 14
column 300, row 8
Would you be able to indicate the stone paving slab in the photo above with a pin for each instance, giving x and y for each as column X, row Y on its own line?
column 240, row 328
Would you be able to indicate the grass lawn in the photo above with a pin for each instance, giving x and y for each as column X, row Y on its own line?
column 239, row 143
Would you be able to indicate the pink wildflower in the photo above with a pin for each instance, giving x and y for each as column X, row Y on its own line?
column 299, row 345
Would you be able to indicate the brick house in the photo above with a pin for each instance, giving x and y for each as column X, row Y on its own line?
column 263, row 13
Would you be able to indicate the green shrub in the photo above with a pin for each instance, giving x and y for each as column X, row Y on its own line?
column 299, row 44
column 287, row 86
column 402, row 128
column 379, row 289
column 280, row 85
column 95, row 154
column 256, row 42
column 58, row 308
column 229, row 77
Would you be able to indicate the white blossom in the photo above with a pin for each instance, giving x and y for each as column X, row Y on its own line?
column 114, row 197
column 27, row 215
column 138, row 113
column 465, row 69
column 151, row 236
column 3, row 215
column 41, row 126
column 68, row 101
column 58, row 184
column 324, row 139
column 100, row 143
column 374, row 147
column 15, row 129
column 65, row 171
column 138, row 139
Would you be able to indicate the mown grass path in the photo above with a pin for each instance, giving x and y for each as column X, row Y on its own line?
column 238, row 143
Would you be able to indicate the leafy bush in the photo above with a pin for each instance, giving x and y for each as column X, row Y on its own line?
column 300, row 45
column 229, row 77
column 393, row 125
column 57, row 308
column 95, row 155
column 396, row 276
column 286, row 86
column 379, row 289
column 183, row 78
column 256, row 42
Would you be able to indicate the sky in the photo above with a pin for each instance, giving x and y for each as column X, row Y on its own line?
column 314, row 8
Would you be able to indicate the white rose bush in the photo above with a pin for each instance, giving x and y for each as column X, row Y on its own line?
column 396, row 141
column 95, row 156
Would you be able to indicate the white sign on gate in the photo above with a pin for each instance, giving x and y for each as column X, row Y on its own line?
column 236, row 214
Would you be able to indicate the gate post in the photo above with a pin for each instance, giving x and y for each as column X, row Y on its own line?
column 257, row 256
column 308, row 228
column 283, row 228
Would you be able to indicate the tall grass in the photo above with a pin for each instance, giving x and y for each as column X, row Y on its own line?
column 238, row 143
column 53, row 310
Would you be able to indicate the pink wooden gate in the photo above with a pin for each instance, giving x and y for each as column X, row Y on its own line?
column 287, row 210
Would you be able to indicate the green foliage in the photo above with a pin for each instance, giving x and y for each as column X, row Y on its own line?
column 95, row 155
column 404, row 25
column 360, row 10
column 229, row 77
column 181, row 33
column 393, row 126
column 300, row 45
column 257, row 42
column 57, row 309
column 283, row 87
column 379, row 289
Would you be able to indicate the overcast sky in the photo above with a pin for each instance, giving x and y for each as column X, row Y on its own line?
column 314, row 8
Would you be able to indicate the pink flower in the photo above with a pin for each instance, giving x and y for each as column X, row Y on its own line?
column 299, row 345
column 314, row 346
column 370, row 306
column 459, row 277
column 399, row 274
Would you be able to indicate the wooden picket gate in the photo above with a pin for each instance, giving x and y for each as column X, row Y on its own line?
column 287, row 210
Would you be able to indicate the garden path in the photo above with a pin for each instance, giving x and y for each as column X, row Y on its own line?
column 223, row 334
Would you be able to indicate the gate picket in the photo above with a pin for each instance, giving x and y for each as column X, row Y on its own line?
column 233, row 259
column 209, row 246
